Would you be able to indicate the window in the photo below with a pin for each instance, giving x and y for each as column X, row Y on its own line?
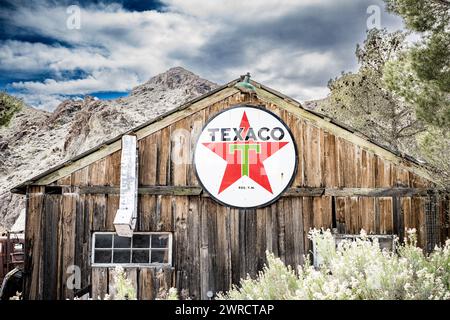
column 143, row 249
column 384, row 241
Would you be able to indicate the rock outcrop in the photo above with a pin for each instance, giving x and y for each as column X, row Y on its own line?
column 36, row 140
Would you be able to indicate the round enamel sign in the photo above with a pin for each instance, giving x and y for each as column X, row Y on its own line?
column 245, row 157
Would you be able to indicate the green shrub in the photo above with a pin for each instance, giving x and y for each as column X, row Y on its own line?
column 9, row 105
column 123, row 287
column 356, row 269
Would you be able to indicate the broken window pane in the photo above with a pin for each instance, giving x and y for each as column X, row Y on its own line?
column 160, row 241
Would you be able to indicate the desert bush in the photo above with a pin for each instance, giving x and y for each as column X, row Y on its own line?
column 9, row 105
column 123, row 288
column 354, row 269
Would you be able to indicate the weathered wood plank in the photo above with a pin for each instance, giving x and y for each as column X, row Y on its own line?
column 67, row 180
column 97, row 173
column 317, row 213
column 375, row 192
column 341, row 132
column 180, row 210
column 80, row 177
column 82, row 239
column 112, row 205
column 340, row 215
column 148, row 159
column 193, row 248
column 407, row 214
column 33, row 242
column 204, row 249
column 146, row 210
column 280, row 212
column 383, row 178
column 262, row 215
column 50, row 243
column 312, row 156
column 196, row 123
column 294, row 232
column 248, row 239
column 164, row 218
column 304, row 192
column 290, row 192
column 308, row 220
column 418, row 208
column 150, row 190
column 164, row 162
column 180, row 156
column 296, row 126
column 97, row 204
column 355, row 216
column 146, row 278
column 330, row 168
column 235, row 245
column 367, row 210
column 368, row 172
column 386, row 217
column 112, row 169
column 398, row 226
column 68, row 245
column 99, row 283
column 222, row 252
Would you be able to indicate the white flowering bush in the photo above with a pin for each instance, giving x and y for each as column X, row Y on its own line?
column 123, row 287
column 171, row 294
column 354, row 269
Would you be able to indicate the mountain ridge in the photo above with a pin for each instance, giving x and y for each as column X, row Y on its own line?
column 36, row 140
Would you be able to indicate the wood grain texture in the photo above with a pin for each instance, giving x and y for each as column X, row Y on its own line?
column 341, row 182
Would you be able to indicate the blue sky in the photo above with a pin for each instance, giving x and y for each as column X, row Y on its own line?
column 292, row 46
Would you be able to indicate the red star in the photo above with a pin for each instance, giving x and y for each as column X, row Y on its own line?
column 237, row 165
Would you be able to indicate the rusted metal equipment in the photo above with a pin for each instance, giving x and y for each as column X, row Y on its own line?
column 11, row 253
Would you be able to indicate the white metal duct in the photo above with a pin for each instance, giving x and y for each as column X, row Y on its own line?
column 125, row 219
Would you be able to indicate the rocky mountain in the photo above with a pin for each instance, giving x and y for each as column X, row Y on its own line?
column 36, row 140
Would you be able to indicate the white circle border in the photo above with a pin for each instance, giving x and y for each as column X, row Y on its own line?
column 294, row 172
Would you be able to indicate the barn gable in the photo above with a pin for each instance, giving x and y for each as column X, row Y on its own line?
column 343, row 182
column 264, row 95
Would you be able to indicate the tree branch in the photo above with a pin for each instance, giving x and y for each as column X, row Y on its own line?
column 443, row 2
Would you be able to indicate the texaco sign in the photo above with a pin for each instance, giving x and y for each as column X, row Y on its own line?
column 245, row 157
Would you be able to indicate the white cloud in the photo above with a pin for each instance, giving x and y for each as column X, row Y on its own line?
column 42, row 101
column 38, row 57
column 116, row 49
column 254, row 11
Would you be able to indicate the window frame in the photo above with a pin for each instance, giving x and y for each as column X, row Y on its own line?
column 338, row 237
column 131, row 264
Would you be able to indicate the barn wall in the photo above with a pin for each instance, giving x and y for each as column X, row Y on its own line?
column 213, row 246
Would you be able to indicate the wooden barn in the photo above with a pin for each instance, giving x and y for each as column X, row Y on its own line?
column 182, row 236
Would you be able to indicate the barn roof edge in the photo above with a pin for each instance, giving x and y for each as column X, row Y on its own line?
column 21, row 188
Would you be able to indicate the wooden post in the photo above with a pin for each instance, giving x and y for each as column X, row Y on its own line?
column 399, row 228
column 432, row 225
